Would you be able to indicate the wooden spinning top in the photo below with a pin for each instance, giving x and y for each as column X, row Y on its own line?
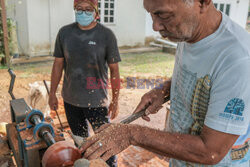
column 61, row 154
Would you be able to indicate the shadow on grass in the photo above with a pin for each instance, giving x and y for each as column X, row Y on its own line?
column 146, row 64
column 156, row 64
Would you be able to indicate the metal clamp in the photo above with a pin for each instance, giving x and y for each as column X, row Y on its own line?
column 42, row 126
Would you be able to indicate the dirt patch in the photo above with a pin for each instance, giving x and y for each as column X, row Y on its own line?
column 21, row 90
column 129, row 98
column 136, row 156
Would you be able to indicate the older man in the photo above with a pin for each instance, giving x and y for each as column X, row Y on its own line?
column 210, row 99
column 85, row 50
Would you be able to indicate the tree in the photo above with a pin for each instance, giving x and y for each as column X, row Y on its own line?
column 3, row 58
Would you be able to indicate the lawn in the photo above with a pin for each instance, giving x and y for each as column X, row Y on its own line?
column 148, row 64
column 145, row 66
column 139, row 65
column 248, row 26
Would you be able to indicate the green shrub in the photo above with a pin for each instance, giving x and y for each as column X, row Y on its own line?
column 11, row 27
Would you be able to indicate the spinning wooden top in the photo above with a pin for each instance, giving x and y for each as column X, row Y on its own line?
column 61, row 154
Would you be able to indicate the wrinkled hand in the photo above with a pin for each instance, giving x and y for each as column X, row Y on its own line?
column 113, row 110
column 152, row 102
column 114, row 138
column 53, row 102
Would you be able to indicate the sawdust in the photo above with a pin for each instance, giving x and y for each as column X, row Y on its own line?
column 97, row 163
column 129, row 98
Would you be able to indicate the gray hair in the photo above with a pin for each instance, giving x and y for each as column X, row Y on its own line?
column 189, row 2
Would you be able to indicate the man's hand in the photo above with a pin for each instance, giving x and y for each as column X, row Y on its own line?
column 56, row 75
column 113, row 110
column 53, row 102
column 110, row 139
column 153, row 100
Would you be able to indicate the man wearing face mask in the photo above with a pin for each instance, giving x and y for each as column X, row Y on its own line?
column 86, row 50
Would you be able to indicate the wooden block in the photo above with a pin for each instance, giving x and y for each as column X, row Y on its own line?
column 13, row 142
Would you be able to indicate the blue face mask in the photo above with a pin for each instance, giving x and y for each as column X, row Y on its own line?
column 85, row 18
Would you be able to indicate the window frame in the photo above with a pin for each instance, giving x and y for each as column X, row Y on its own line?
column 218, row 6
column 102, row 14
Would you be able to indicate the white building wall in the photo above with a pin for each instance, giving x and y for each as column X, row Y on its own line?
column 45, row 18
column 38, row 22
column 61, row 14
column 149, row 27
column 18, row 12
column 129, row 26
column 38, row 27
column 238, row 11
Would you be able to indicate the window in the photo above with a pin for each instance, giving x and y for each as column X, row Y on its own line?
column 228, row 9
column 223, row 7
column 216, row 5
column 107, row 11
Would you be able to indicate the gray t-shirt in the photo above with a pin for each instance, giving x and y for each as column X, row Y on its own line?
column 211, row 86
column 86, row 54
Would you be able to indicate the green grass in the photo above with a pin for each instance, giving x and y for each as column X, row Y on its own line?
column 30, row 69
column 139, row 65
column 147, row 64
column 248, row 26
column 3, row 67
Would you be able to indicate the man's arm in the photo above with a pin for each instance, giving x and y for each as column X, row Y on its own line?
column 115, row 85
column 209, row 148
column 55, row 79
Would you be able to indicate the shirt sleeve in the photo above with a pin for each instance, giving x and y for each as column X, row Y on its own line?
column 58, row 52
column 112, row 52
column 229, row 105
